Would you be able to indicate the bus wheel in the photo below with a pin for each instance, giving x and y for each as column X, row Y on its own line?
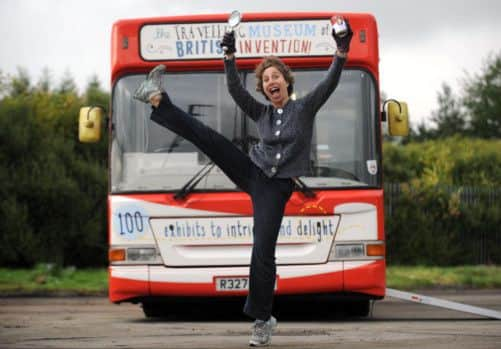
column 153, row 309
column 359, row 308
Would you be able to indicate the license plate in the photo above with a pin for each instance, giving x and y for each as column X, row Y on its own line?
column 232, row 284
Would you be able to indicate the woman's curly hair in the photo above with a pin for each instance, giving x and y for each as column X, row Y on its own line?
column 273, row 61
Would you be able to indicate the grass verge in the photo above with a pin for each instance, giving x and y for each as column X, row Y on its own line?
column 47, row 279
column 419, row 277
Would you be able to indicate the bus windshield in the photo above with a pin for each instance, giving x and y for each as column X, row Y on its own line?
column 146, row 157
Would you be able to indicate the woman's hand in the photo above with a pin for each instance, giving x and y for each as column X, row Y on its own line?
column 155, row 100
column 343, row 42
column 228, row 43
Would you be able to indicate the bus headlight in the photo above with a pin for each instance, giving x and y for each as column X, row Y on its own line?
column 357, row 250
column 141, row 254
column 349, row 251
column 134, row 255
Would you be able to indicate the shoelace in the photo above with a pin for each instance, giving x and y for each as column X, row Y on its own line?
column 260, row 329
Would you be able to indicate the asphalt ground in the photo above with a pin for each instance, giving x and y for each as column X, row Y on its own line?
column 94, row 322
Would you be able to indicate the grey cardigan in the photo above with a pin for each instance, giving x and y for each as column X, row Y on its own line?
column 285, row 133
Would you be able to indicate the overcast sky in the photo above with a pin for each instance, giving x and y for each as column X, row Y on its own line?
column 422, row 43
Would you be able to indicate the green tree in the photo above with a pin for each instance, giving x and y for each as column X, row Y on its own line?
column 475, row 112
column 3, row 84
column 482, row 99
column 53, row 189
column 20, row 84
column 67, row 84
column 420, row 133
column 449, row 117
column 45, row 82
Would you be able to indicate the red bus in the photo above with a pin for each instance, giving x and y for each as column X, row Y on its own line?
column 178, row 226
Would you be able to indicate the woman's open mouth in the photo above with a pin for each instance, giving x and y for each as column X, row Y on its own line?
column 274, row 91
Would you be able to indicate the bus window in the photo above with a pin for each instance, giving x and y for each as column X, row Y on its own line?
column 147, row 156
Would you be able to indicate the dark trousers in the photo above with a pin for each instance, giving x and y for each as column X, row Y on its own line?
column 269, row 196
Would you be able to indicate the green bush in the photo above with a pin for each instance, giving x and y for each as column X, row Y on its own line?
column 53, row 189
column 450, row 161
column 428, row 227
column 446, row 208
column 421, row 228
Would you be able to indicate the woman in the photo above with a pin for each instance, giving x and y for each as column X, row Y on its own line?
column 285, row 127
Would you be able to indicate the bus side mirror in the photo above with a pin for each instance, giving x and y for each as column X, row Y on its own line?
column 89, row 125
column 397, row 116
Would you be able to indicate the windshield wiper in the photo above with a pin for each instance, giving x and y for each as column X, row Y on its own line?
column 204, row 171
column 303, row 188
column 193, row 181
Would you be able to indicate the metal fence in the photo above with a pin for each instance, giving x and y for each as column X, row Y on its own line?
column 483, row 243
column 468, row 195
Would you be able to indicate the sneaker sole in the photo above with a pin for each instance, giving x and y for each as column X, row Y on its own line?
column 254, row 344
column 158, row 69
column 273, row 327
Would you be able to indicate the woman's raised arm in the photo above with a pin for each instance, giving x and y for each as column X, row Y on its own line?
column 241, row 96
column 319, row 95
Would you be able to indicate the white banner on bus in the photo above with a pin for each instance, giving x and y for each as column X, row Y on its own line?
column 237, row 230
column 253, row 39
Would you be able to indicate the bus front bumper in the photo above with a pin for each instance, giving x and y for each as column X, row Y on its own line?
column 133, row 282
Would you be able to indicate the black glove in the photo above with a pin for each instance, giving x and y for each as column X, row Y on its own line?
column 228, row 42
column 343, row 43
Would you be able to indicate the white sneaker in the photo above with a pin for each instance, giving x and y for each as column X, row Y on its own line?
column 262, row 331
column 151, row 86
